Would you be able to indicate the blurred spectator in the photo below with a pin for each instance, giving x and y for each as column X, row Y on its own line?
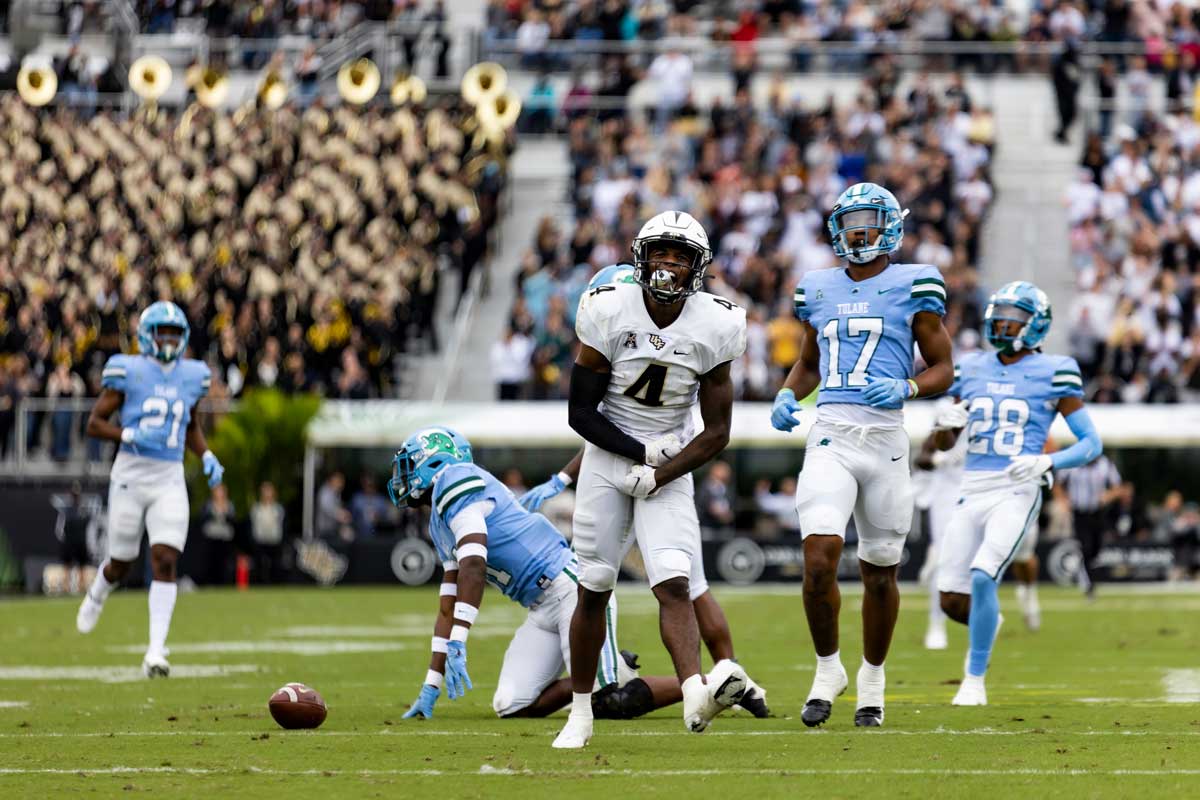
column 1127, row 516
column 715, row 498
column 514, row 480
column 1090, row 490
column 1177, row 523
column 510, row 363
column 218, row 534
column 63, row 383
column 266, row 532
column 672, row 71
column 779, row 505
column 333, row 520
column 369, row 509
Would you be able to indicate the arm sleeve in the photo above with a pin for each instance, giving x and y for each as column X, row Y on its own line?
column 472, row 518
column 928, row 292
column 1084, row 451
column 1067, row 381
column 800, row 302
column 114, row 374
column 587, row 390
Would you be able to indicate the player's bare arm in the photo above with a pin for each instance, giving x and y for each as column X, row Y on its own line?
column 936, row 349
column 99, row 424
column 589, row 382
column 716, row 409
column 447, row 596
column 805, row 374
column 472, row 575
column 196, row 441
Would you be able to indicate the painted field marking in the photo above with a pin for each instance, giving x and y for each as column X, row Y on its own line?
column 323, row 647
column 119, row 674
column 1182, row 685
column 387, row 732
column 14, row 703
column 490, row 771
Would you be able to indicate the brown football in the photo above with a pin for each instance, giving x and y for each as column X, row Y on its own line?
column 295, row 705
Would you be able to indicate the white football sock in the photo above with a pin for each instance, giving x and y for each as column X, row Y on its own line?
column 581, row 705
column 871, row 683
column 162, row 606
column 830, row 662
column 101, row 588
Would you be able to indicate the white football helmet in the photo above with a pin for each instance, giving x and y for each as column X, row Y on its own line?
column 675, row 227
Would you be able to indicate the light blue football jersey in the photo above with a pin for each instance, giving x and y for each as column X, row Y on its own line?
column 157, row 395
column 865, row 327
column 525, row 552
column 1012, row 405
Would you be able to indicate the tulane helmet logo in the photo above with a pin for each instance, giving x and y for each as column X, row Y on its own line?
column 421, row 459
column 438, row 442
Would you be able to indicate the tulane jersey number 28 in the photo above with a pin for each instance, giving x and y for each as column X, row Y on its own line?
column 1008, row 418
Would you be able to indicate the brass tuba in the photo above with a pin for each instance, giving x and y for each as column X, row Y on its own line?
column 37, row 84
column 407, row 89
column 210, row 84
column 482, row 82
column 499, row 112
column 272, row 90
column 150, row 77
column 358, row 81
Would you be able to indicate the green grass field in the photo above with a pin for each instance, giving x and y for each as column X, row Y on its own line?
column 1102, row 702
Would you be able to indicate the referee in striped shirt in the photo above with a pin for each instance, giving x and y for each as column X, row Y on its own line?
column 1090, row 489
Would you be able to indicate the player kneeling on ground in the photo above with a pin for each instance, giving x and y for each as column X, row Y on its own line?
column 156, row 393
column 1008, row 400
column 482, row 534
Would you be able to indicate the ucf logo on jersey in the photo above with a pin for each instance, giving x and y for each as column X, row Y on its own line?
column 657, row 341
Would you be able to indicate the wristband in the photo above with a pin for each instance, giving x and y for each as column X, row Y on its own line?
column 466, row 612
column 433, row 678
column 127, row 435
column 565, row 479
column 438, row 644
column 448, row 590
column 913, row 388
column 206, row 454
column 459, row 633
column 472, row 549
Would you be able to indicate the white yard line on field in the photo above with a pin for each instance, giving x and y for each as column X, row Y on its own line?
column 1182, row 685
column 119, row 674
column 387, row 732
column 489, row 771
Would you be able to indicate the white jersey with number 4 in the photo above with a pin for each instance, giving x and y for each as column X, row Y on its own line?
column 656, row 371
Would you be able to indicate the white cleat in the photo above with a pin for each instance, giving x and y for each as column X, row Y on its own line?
column 89, row 614
column 1033, row 620
column 702, row 702
column 575, row 734
column 935, row 639
column 972, row 692
column 155, row 665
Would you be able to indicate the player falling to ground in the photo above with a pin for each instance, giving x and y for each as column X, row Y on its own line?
column 1008, row 401
column 860, row 323
column 648, row 351
column 483, row 535
column 710, row 617
column 156, row 394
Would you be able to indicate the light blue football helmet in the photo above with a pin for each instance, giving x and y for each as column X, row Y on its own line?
column 613, row 273
column 419, row 460
column 1023, row 303
column 866, row 206
column 159, row 315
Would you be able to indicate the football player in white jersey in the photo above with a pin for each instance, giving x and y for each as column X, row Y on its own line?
column 650, row 350
column 860, row 325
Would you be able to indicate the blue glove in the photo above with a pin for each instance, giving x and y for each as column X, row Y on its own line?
column 533, row 499
column 212, row 468
column 423, row 707
column 886, row 392
column 457, row 679
column 783, row 413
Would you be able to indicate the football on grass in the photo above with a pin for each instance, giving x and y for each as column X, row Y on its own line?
column 295, row 705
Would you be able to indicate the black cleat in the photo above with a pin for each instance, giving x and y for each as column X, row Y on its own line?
column 631, row 660
column 816, row 712
column 755, row 703
column 868, row 717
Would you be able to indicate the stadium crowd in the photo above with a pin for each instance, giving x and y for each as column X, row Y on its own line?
column 304, row 248
column 1134, row 212
column 760, row 182
column 532, row 24
column 269, row 19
